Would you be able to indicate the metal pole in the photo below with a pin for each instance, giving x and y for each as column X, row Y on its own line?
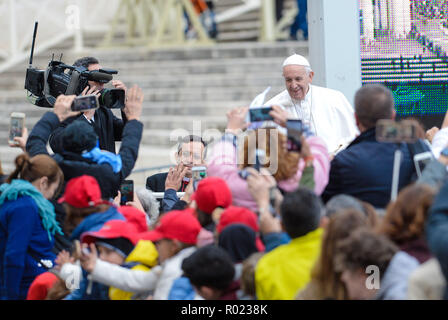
column 396, row 174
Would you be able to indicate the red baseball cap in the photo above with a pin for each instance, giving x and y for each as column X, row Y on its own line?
column 212, row 192
column 240, row 215
column 175, row 225
column 82, row 192
column 134, row 216
column 113, row 229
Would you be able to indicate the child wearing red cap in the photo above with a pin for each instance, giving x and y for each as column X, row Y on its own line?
column 118, row 243
column 175, row 237
column 85, row 209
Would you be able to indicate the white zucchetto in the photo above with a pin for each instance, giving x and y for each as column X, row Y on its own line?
column 296, row 59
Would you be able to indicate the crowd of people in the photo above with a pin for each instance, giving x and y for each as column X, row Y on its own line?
column 430, row 9
column 333, row 217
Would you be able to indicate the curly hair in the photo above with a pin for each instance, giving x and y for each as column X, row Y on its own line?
column 272, row 142
column 405, row 218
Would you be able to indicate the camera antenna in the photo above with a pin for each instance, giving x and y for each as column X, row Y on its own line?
column 32, row 44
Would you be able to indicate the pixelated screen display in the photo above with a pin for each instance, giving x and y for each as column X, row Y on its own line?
column 404, row 46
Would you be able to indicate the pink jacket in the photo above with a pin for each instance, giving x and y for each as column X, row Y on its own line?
column 222, row 163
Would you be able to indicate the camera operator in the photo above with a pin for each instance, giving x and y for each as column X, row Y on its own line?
column 107, row 126
column 81, row 154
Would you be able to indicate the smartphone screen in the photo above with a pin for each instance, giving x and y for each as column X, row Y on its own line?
column 127, row 191
column 17, row 123
column 198, row 173
column 83, row 103
column 388, row 131
column 294, row 132
column 260, row 114
column 421, row 160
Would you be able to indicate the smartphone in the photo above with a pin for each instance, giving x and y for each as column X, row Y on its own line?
column 294, row 133
column 197, row 174
column 83, row 103
column 396, row 132
column 260, row 114
column 16, row 125
column 127, row 192
column 421, row 160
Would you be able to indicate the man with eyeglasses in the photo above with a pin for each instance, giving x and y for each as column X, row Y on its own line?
column 190, row 153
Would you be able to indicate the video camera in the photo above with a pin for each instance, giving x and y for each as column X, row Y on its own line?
column 59, row 78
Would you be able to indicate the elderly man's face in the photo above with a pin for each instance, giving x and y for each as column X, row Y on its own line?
column 297, row 81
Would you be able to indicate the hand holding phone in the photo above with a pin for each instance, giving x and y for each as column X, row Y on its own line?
column 198, row 173
column 16, row 127
column 127, row 192
column 260, row 114
column 85, row 103
column 295, row 130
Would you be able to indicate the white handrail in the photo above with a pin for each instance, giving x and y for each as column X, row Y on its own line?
column 238, row 10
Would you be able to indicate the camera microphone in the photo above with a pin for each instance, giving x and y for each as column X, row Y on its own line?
column 100, row 77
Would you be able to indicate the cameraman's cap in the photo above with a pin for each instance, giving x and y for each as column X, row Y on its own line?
column 79, row 136
column 296, row 59
column 212, row 192
column 175, row 225
column 82, row 192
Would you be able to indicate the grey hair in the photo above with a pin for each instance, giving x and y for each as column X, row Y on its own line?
column 341, row 202
column 149, row 203
column 308, row 70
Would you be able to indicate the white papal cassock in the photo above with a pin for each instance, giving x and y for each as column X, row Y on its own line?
column 327, row 112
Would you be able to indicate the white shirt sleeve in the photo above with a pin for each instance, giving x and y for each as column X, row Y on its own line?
column 439, row 142
column 126, row 279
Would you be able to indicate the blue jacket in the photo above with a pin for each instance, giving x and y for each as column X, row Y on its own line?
column 95, row 221
column 89, row 290
column 364, row 170
column 21, row 230
column 437, row 230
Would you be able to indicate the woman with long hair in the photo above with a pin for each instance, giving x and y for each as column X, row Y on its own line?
column 27, row 223
column 325, row 280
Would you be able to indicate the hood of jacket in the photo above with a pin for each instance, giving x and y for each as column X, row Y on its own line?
column 95, row 221
column 394, row 283
column 145, row 252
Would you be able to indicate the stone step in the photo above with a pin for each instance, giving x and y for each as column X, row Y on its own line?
column 172, row 94
column 245, row 35
column 240, row 25
column 176, row 55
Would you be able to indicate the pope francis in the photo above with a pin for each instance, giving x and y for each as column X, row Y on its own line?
column 326, row 112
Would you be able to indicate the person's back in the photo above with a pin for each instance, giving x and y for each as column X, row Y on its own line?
column 364, row 170
column 281, row 273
